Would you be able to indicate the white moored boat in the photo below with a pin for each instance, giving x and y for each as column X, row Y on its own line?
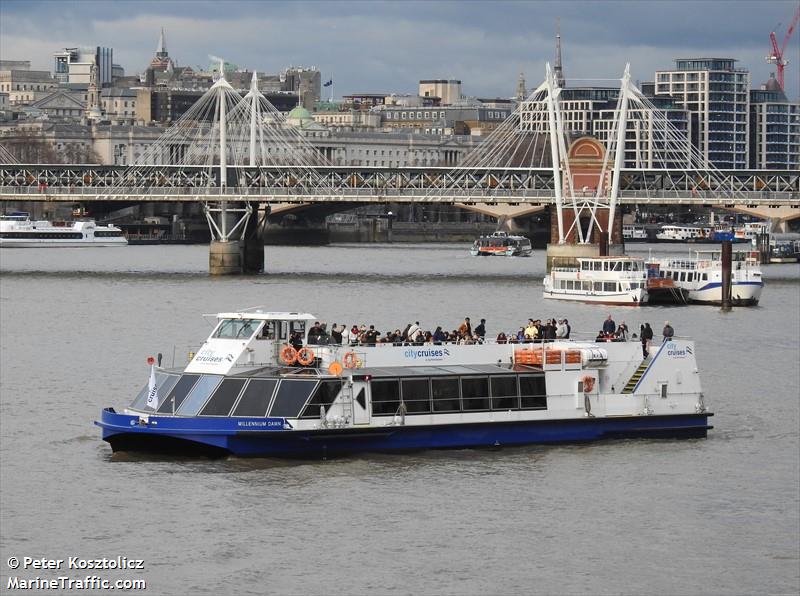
column 19, row 231
column 672, row 233
column 701, row 276
column 250, row 391
column 634, row 233
column 604, row 280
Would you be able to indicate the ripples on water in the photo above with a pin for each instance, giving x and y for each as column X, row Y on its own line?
column 667, row 517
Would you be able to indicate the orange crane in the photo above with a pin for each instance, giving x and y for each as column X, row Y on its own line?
column 776, row 57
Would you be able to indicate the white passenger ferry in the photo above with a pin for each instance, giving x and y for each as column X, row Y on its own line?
column 701, row 276
column 18, row 231
column 604, row 280
column 634, row 233
column 671, row 233
column 501, row 244
column 257, row 388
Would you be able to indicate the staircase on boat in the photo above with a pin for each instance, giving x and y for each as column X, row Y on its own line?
column 631, row 385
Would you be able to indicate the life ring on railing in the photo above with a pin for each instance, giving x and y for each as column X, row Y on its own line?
column 350, row 360
column 288, row 354
column 588, row 383
column 305, row 356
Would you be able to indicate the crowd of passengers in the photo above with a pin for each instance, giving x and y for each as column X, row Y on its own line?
column 534, row 331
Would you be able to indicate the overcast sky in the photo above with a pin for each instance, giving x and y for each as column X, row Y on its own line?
column 388, row 47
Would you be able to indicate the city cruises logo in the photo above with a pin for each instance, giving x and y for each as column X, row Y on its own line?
column 427, row 354
column 210, row 357
column 675, row 351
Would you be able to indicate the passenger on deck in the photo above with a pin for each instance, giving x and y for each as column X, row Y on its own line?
column 501, row 338
column 465, row 328
column 480, row 330
column 371, row 336
column 609, row 326
column 336, row 334
column 622, row 332
column 668, row 331
column 569, row 328
column 439, row 336
column 561, row 330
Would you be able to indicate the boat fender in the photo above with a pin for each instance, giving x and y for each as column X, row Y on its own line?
column 305, row 356
column 588, row 383
column 288, row 354
column 350, row 360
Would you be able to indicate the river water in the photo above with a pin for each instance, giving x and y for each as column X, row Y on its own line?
column 712, row 516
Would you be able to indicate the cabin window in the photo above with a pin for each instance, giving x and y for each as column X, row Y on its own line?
column 662, row 388
column 416, row 396
column 236, row 328
column 705, row 276
column 198, row 396
column 609, row 286
column 291, row 397
column 598, row 286
column 587, row 286
column 224, row 397
column 178, row 393
column 324, row 394
column 269, row 330
column 385, row 397
column 597, row 266
column 533, row 392
column 445, row 395
column 626, row 266
column 164, row 382
column 617, row 266
column 504, row 393
column 475, row 393
column 256, row 397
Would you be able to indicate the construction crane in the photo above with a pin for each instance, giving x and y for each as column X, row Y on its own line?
column 776, row 57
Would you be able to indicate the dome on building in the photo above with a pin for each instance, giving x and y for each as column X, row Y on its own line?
column 299, row 113
column 772, row 83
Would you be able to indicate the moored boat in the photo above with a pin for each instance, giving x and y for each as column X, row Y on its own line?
column 618, row 280
column 19, row 231
column 248, row 391
column 701, row 276
column 634, row 233
column 501, row 244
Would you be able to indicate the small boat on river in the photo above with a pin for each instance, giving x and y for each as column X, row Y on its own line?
column 256, row 387
column 501, row 244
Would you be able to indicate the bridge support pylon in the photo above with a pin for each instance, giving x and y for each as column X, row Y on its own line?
column 225, row 257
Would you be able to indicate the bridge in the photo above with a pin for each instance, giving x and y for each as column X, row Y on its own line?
column 234, row 154
column 281, row 184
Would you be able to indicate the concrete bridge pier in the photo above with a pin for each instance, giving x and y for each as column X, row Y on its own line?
column 225, row 257
column 253, row 244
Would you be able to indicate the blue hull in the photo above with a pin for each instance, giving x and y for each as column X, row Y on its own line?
column 225, row 436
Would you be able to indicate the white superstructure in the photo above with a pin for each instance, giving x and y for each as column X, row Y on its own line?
column 604, row 280
column 701, row 276
column 18, row 231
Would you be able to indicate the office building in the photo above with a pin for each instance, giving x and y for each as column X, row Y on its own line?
column 774, row 129
column 74, row 65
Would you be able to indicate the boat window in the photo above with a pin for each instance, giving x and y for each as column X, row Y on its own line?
column 269, row 330
column 705, row 276
column 445, row 395
column 617, row 266
column 597, row 266
column 256, row 397
column 533, row 392
column 361, row 398
column 416, row 396
column 598, row 286
column 504, row 393
column 609, row 286
column 626, row 266
column 224, row 397
column 324, row 394
column 236, row 328
column 291, row 397
column 475, row 393
column 164, row 382
column 198, row 396
column 587, row 286
column 178, row 393
column 385, row 397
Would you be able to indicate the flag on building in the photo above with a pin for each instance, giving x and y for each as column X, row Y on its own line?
column 152, row 393
column 329, row 83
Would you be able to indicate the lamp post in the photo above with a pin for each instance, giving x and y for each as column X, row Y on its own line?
column 389, row 218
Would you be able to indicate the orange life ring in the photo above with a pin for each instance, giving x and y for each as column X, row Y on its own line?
column 350, row 360
column 288, row 354
column 305, row 356
column 335, row 368
column 588, row 384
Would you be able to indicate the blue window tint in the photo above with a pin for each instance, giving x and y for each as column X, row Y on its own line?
column 165, row 382
column 199, row 394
